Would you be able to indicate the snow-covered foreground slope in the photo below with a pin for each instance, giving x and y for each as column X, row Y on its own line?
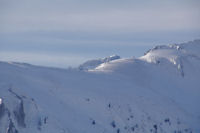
column 156, row 93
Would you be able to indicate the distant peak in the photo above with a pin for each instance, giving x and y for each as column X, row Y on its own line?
column 180, row 46
column 92, row 64
column 173, row 52
column 110, row 58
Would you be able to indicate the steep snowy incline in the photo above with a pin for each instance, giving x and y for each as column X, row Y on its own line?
column 172, row 71
column 140, row 95
column 174, row 52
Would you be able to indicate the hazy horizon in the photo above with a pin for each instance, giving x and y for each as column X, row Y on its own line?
column 64, row 33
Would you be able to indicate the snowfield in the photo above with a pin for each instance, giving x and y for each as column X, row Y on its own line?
column 156, row 93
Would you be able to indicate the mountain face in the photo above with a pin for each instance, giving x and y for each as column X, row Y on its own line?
column 156, row 93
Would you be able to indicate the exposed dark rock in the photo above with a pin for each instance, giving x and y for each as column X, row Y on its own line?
column 11, row 128
column 136, row 126
column 125, row 127
column 118, row 130
column 113, row 124
column 167, row 120
column 20, row 115
column 178, row 122
column 19, row 111
column 133, row 129
column 8, row 112
column 109, row 105
column 155, row 127
column 93, row 122
column 39, row 124
column 87, row 99
column 15, row 94
column 45, row 120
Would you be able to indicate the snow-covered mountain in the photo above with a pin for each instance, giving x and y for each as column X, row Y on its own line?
column 156, row 93
column 91, row 64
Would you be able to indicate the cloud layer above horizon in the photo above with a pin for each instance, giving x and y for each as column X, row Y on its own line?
column 93, row 28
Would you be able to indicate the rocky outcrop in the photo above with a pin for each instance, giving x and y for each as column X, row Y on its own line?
column 20, row 115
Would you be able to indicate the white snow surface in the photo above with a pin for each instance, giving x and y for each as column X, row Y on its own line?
column 156, row 93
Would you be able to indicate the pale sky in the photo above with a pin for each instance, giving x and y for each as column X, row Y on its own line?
column 66, row 33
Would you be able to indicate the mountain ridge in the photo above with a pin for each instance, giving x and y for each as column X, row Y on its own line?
column 155, row 93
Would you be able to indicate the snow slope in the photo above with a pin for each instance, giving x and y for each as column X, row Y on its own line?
column 156, row 93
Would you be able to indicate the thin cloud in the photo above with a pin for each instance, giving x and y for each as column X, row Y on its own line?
column 148, row 18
